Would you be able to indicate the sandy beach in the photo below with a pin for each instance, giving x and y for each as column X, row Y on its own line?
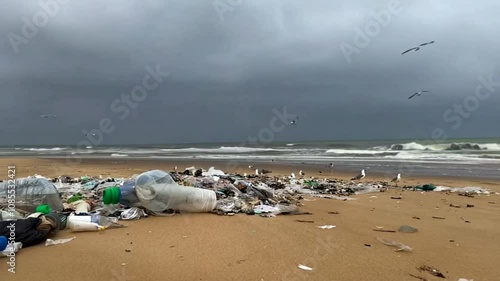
column 462, row 242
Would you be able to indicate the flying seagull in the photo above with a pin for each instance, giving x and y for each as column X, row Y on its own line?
column 293, row 122
column 360, row 175
column 396, row 179
column 417, row 94
column 418, row 47
column 48, row 116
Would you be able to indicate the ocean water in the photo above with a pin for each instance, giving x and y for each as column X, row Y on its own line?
column 478, row 158
column 465, row 151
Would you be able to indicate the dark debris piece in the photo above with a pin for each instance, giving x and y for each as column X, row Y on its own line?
column 432, row 270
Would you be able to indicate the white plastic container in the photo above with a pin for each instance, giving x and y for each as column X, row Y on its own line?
column 89, row 223
column 157, row 191
column 82, row 208
column 80, row 226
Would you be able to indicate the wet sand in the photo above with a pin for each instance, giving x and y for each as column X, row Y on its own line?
column 464, row 244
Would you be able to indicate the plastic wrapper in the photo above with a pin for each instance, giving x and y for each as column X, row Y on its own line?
column 133, row 213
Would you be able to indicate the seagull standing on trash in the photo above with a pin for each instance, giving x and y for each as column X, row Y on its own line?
column 257, row 172
column 396, row 179
column 301, row 173
column 360, row 175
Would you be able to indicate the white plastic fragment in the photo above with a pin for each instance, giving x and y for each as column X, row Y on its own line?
column 303, row 267
column 50, row 242
column 328, row 226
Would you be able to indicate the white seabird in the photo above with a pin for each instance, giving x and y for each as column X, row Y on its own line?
column 360, row 175
column 396, row 179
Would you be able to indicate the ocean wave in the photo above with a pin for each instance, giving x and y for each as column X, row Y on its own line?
column 118, row 155
column 222, row 149
column 440, row 147
column 44, row 149
column 356, row 152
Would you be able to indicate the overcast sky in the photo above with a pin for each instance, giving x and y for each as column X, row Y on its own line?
column 230, row 66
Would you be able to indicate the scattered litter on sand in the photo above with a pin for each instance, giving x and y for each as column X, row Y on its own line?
column 439, row 218
column 383, row 230
column 407, row 229
column 400, row 246
column 303, row 267
column 328, row 226
column 304, row 221
column 51, row 242
column 432, row 270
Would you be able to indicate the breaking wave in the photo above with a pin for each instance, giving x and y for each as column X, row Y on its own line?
column 441, row 147
column 44, row 149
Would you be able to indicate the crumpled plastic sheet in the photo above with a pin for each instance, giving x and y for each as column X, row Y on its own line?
column 467, row 189
column 50, row 242
column 133, row 213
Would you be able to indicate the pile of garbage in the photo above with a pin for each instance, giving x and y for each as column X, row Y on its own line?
column 43, row 206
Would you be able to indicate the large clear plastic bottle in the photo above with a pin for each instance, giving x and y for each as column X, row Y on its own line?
column 30, row 193
column 157, row 191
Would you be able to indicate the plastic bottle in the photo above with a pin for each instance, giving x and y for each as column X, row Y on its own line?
column 93, row 222
column 32, row 192
column 124, row 195
column 157, row 191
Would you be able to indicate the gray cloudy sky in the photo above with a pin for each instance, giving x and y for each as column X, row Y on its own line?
column 226, row 76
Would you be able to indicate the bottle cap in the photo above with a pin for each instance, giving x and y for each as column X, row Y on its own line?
column 44, row 209
column 111, row 195
column 3, row 243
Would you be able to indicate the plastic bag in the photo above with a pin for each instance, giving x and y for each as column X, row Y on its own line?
column 50, row 242
column 133, row 213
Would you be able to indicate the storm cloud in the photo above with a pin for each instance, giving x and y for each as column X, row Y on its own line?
column 230, row 67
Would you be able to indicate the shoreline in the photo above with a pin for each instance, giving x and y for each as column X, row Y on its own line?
column 126, row 167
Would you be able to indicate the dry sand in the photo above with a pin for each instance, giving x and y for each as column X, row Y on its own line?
column 466, row 243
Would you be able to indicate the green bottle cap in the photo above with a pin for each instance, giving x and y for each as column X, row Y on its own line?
column 44, row 209
column 111, row 195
